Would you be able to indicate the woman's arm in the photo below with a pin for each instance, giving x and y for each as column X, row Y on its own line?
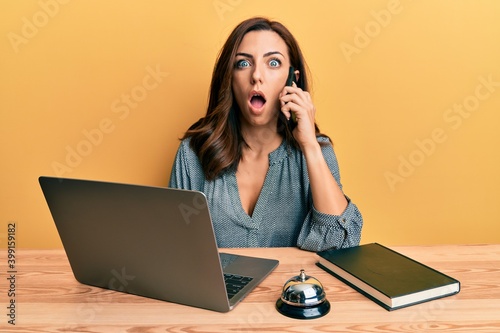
column 328, row 198
column 333, row 221
column 321, row 231
column 327, row 195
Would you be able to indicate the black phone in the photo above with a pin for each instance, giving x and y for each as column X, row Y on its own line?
column 289, row 81
column 291, row 76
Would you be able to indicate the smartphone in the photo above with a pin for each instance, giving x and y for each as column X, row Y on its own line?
column 289, row 81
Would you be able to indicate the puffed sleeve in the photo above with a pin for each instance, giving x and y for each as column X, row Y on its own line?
column 323, row 231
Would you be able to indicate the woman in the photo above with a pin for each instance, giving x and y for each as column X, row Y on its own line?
column 267, row 183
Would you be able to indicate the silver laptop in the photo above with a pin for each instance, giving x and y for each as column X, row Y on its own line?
column 149, row 241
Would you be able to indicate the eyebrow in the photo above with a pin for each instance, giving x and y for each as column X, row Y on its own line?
column 247, row 55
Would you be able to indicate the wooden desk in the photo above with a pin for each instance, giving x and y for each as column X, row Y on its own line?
column 49, row 299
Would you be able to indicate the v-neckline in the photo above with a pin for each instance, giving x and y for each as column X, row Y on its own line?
column 255, row 219
column 237, row 199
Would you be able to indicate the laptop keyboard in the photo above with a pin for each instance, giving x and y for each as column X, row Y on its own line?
column 234, row 283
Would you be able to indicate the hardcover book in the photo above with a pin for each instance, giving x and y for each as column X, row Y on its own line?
column 387, row 277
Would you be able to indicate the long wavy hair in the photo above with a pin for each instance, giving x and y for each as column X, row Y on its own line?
column 216, row 138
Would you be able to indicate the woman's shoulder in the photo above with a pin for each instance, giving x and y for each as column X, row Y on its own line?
column 324, row 142
column 323, row 139
column 186, row 151
column 185, row 142
column 186, row 172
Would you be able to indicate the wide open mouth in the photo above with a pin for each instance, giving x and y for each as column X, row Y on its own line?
column 257, row 101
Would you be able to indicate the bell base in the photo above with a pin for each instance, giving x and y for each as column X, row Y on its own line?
column 303, row 312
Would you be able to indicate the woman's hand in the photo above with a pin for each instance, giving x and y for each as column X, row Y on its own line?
column 294, row 99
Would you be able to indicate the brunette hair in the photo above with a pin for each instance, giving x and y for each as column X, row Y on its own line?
column 216, row 138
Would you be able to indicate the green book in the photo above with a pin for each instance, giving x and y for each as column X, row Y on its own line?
column 387, row 277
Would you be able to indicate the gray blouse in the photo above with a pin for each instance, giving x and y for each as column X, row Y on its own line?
column 284, row 214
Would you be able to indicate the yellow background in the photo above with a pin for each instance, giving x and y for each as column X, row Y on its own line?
column 389, row 78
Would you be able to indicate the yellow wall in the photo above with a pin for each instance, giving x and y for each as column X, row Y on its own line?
column 408, row 90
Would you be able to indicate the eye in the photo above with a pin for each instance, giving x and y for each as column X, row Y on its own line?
column 274, row 63
column 243, row 63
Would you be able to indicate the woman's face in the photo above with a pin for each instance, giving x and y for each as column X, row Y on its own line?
column 259, row 75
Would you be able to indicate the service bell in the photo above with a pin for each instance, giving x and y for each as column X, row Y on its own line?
column 303, row 297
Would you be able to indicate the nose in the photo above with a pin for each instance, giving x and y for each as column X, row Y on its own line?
column 257, row 74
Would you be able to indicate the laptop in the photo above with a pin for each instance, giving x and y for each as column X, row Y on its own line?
column 149, row 241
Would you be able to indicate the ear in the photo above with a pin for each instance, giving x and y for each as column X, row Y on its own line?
column 297, row 75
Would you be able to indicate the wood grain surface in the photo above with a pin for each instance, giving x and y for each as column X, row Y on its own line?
column 49, row 299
